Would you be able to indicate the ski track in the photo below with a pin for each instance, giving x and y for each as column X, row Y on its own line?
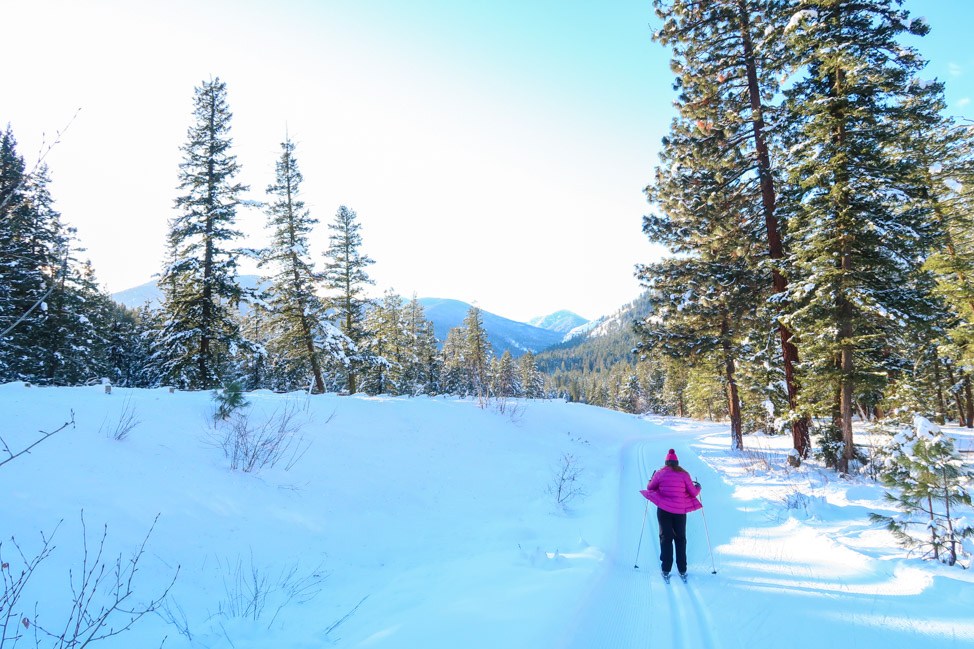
column 629, row 607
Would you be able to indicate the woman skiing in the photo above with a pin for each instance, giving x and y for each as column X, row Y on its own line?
column 675, row 494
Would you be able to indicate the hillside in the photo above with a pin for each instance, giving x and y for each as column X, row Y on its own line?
column 597, row 345
column 428, row 522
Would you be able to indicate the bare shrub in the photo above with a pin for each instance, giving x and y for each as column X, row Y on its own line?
column 565, row 484
column 102, row 596
column 254, row 445
column 255, row 593
column 126, row 421
column 512, row 408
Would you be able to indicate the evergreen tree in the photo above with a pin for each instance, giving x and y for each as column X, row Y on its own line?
column 388, row 346
column 199, row 283
column 345, row 278
column 420, row 363
column 855, row 215
column 946, row 170
column 149, row 348
column 430, row 361
column 930, row 483
column 72, row 338
column 299, row 336
column 529, row 378
column 504, row 377
column 32, row 261
column 454, row 378
column 728, row 58
column 122, row 349
column 477, row 354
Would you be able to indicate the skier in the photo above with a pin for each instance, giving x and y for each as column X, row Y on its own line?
column 675, row 494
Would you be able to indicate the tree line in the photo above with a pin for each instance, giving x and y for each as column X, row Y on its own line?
column 304, row 327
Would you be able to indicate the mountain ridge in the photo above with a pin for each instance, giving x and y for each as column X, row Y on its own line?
column 445, row 314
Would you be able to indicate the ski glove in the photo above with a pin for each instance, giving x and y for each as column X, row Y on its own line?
column 697, row 484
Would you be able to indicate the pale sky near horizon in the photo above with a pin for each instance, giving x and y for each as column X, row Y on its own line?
column 495, row 152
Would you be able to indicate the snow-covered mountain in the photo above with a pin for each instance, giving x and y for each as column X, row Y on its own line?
column 560, row 321
column 503, row 334
column 445, row 314
column 137, row 296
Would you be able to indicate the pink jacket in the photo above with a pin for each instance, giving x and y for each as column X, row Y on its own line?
column 672, row 490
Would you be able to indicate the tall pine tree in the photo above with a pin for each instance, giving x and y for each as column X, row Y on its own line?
column 300, row 335
column 856, row 219
column 199, row 283
column 345, row 279
column 728, row 56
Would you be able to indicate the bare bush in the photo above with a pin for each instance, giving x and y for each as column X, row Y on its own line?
column 257, row 593
column 102, row 596
column 251, row 446
column 126, row 421
column 565, row 484
column 512, row 408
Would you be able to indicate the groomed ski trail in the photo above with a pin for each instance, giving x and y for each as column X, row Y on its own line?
column 631, row 607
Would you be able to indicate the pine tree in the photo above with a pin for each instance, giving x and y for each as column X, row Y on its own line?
column 32, row 261
column 504, row 377
column 728, row 57
column 421, row 359
column 477, row 354
column 946, row 169
column 299, row 335
column 530, row 379
column 387, row 345
column 199, row 282
column 122, row 351
column 430, row 361
column 856, row 221
column 73, row 335
column 930, row 482
column 454, row 378
column 345, row 279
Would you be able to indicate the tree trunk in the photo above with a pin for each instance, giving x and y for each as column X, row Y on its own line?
column 961, row 412
column 207, row 316
column 733, row 398
column 845, row 405
column 844, row 312
column 789, row 353
column 941, row 402
column 970, row 401
column 862, row 411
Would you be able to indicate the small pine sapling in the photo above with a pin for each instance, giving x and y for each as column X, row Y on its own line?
column 229, row 400
column 931, row 486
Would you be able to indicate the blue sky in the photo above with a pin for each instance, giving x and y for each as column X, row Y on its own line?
column 494, row 151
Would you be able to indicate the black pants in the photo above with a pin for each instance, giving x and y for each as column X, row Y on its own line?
column 672, row 532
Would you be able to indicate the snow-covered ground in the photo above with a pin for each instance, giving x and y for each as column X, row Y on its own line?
column 427, row 522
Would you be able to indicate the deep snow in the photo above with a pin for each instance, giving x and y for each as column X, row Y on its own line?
column 425, row 522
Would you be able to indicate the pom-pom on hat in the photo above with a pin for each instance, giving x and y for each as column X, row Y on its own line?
column 671, row 459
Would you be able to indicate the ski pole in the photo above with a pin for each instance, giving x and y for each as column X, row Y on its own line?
column 640, row 545
column 707, row 530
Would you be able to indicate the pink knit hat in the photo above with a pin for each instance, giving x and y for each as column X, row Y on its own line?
column 671, row 458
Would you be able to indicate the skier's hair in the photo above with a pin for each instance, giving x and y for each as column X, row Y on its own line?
column 676, row 467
